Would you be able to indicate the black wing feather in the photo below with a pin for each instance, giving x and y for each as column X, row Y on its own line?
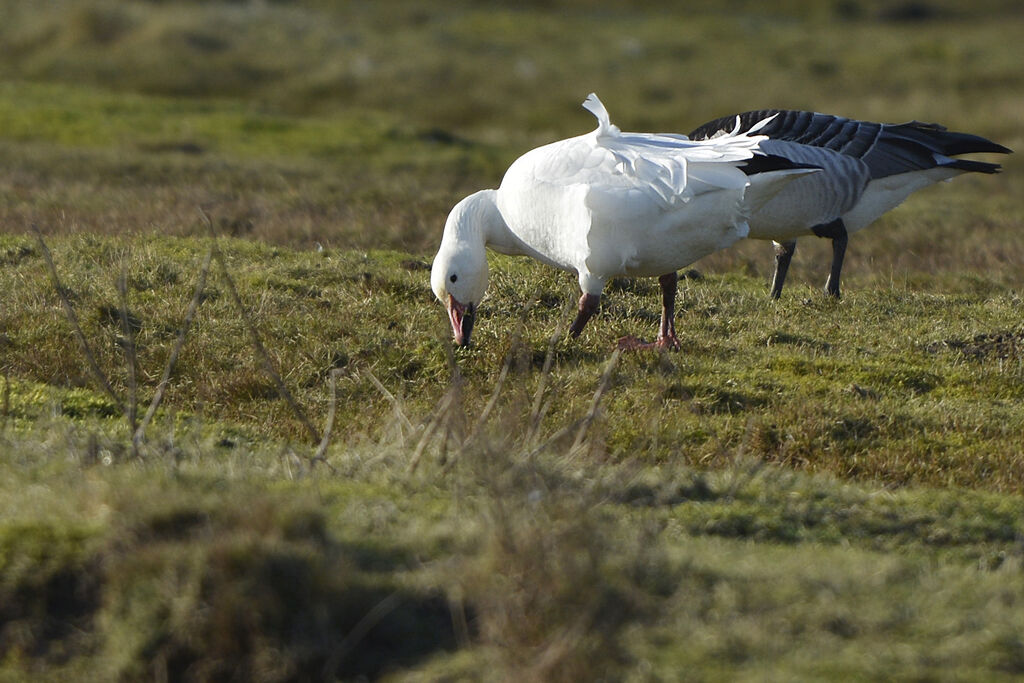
column 887, row 149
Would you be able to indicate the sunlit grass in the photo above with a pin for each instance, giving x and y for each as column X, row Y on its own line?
column 890, row 384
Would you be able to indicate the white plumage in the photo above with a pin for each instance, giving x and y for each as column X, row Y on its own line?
column 605, row 204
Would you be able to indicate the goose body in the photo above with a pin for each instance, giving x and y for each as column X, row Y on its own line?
column 602, row 205
column 868, row 169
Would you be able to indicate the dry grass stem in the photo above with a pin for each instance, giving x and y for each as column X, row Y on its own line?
column 257, row 343
column 602, row 387
column 73, row 319
column 538, row 408
column 493, row 401
column 436, row 419
column 6, row 401
column 172, row 360
column 514, row 347
column 130, row 358
column 554, row 438
column 321, row 450
column 393, row 400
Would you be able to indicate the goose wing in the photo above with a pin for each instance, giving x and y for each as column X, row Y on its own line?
column 661, row 167
column 886, row 149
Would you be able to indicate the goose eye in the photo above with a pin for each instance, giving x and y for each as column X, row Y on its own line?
column 454, row 277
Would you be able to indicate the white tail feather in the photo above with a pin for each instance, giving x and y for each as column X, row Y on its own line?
column 663, row 162
column 604, row 122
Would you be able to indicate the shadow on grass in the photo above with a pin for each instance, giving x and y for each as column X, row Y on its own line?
column 194, row 592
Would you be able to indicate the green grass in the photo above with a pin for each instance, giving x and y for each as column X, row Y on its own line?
column 896, row 397
column 683, row 531
column 809, row 490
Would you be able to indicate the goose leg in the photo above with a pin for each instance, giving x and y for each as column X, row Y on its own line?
column 835, row 230
column 588, row 306
column 838, row 252
column 667, row 331
column 783, row 255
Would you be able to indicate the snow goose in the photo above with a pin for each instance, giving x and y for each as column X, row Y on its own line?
column 868, row 169
column 602, row 205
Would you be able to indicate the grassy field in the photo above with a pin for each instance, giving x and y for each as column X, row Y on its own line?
column 327, row 490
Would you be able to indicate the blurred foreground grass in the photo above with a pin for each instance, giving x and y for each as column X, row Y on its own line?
column 814, row 489
column 214, row 558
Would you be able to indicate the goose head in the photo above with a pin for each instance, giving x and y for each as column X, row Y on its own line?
column 459, row 274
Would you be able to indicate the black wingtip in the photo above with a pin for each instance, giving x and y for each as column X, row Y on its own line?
column 938, row 139
column 975, row 144
column 972, row 166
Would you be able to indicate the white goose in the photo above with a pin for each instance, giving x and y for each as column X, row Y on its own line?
column 602, row 205
column 868, row 169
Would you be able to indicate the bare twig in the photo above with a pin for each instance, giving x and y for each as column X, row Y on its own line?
column 439, row 414
column 536, row 411
column 322, row 448
column 482, row 420
column 172, row 360
column 395, row 403
column 502, row 376
column 560, row 434
column 130, row 359
column 254, row 337
column 73, row 319
column 7, row 400
column 288, row 466
column 448, row 434
column 495, row 395
column 596, row 401
column 542, row 384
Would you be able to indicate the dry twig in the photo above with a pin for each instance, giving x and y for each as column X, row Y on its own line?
column 502, row 376
column 172, row 360
column 438, row 417
column 321, row 450
column 73, row 319
column 7, row 401
column 395, row 403
column 257, row 343
column 130, row 359
column 602, row 387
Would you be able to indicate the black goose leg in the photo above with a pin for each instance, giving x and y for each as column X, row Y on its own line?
column 835, row 230
column 588, row 306
column 838, row 252
column 783, row 255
